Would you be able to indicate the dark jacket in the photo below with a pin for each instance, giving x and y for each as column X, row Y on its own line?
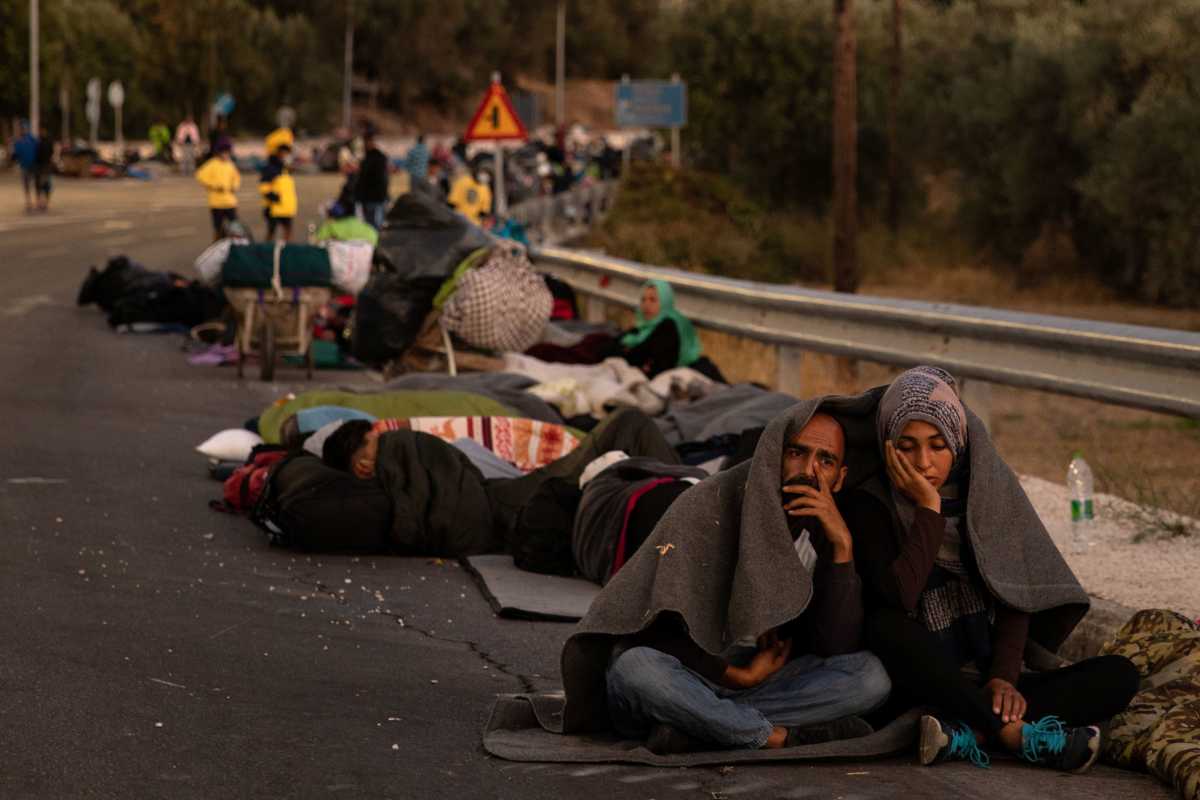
column 372, row 184
column 895, row 567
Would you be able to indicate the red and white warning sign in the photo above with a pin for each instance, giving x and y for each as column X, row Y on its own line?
column 495, row 118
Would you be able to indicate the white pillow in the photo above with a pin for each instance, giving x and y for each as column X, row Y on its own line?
column 234, row 444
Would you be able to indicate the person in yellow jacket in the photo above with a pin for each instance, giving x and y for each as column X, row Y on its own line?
column 278, row 138
column 278, row 190
column 219, row 175
column 470, row 197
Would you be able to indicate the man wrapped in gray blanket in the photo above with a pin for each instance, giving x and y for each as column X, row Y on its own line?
column 754, row 563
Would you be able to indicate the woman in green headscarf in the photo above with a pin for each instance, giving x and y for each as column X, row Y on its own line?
column 662, row 338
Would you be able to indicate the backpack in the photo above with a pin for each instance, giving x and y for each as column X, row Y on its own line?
column 244, row 487
column 308, row 505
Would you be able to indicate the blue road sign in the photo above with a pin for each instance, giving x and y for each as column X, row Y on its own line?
column 651, row 104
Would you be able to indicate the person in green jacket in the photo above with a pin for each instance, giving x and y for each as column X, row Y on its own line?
column 341, row 225
column 662, row 338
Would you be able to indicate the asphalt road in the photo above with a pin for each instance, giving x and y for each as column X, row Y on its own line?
column 155, row 648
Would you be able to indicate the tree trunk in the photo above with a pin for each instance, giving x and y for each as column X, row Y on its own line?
column 845, row 144
column 897, row 78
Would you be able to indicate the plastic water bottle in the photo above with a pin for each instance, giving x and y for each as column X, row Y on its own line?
column 1079, row 486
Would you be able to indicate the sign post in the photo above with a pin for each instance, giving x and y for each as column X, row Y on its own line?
column 654, row 104
column 92, row 110
column 676, row 154
column 116, row 99
column 495, row 120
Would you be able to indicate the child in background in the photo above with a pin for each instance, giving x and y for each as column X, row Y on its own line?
column 278, row 190
column 219, row 175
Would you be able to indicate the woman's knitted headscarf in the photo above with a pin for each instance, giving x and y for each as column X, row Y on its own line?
column 928, row 394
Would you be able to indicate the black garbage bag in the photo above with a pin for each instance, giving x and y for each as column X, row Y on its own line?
column 389, row 314
column 422, row 237
column 119, row 278
column 189, row 304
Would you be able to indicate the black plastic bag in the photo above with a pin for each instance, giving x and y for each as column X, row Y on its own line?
column 422, row 237
column 389, row 315
column 187, row 305
column 120, row 277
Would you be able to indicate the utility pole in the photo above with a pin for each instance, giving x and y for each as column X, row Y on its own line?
column 893, row 124
column 348, row 66
column 212, row 67
column 845, row 144
column 560, row 67
column 34, row 74
column 64, row 103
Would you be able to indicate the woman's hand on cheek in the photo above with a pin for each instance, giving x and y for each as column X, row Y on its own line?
column 910, row 482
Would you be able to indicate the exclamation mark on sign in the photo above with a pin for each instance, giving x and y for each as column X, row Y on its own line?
column 495, row 116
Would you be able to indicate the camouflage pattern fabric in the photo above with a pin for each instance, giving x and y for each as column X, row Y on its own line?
column 1160, row 730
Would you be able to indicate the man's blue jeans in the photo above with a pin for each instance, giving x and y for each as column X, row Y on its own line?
column 646, row 687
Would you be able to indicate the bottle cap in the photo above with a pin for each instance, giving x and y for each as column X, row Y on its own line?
column 1077, row 454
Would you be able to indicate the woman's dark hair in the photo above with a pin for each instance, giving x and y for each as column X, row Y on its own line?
column 341, row 445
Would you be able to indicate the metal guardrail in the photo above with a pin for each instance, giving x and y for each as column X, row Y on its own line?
column 1141, row 367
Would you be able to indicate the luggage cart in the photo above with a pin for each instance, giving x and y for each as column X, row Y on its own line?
column 275, row 321
column 272, row 326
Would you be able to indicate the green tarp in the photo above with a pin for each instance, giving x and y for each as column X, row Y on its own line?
column 253, row 265
column 384, row 405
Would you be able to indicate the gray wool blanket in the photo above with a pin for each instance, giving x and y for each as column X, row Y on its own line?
column 1017, row 559
column 722, row 562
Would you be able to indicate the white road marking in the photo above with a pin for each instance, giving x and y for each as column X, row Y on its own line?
column 23, row 305
column 116, row 225
column 36, row 481
column 589, row 771
column 643, row 777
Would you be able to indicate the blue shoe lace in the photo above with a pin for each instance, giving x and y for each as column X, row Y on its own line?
column 1044, row 738
column 963, row 745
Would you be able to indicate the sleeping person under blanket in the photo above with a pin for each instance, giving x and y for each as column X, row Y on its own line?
column 443, row 505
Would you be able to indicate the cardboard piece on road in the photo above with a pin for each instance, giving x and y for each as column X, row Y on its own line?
column 514, row 592
column 495, row 118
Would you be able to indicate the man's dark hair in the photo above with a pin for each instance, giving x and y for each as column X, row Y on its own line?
column 341, row 445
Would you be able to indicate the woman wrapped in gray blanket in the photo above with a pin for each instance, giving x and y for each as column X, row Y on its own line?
column 959, row 577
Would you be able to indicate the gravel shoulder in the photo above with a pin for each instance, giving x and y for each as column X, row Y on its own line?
column 1157, row 572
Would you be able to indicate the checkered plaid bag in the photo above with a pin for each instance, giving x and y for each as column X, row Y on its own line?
column 500, row 305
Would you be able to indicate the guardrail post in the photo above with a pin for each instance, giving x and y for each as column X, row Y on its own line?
column 977, row 395
column 789, row 361
column 593, row 309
